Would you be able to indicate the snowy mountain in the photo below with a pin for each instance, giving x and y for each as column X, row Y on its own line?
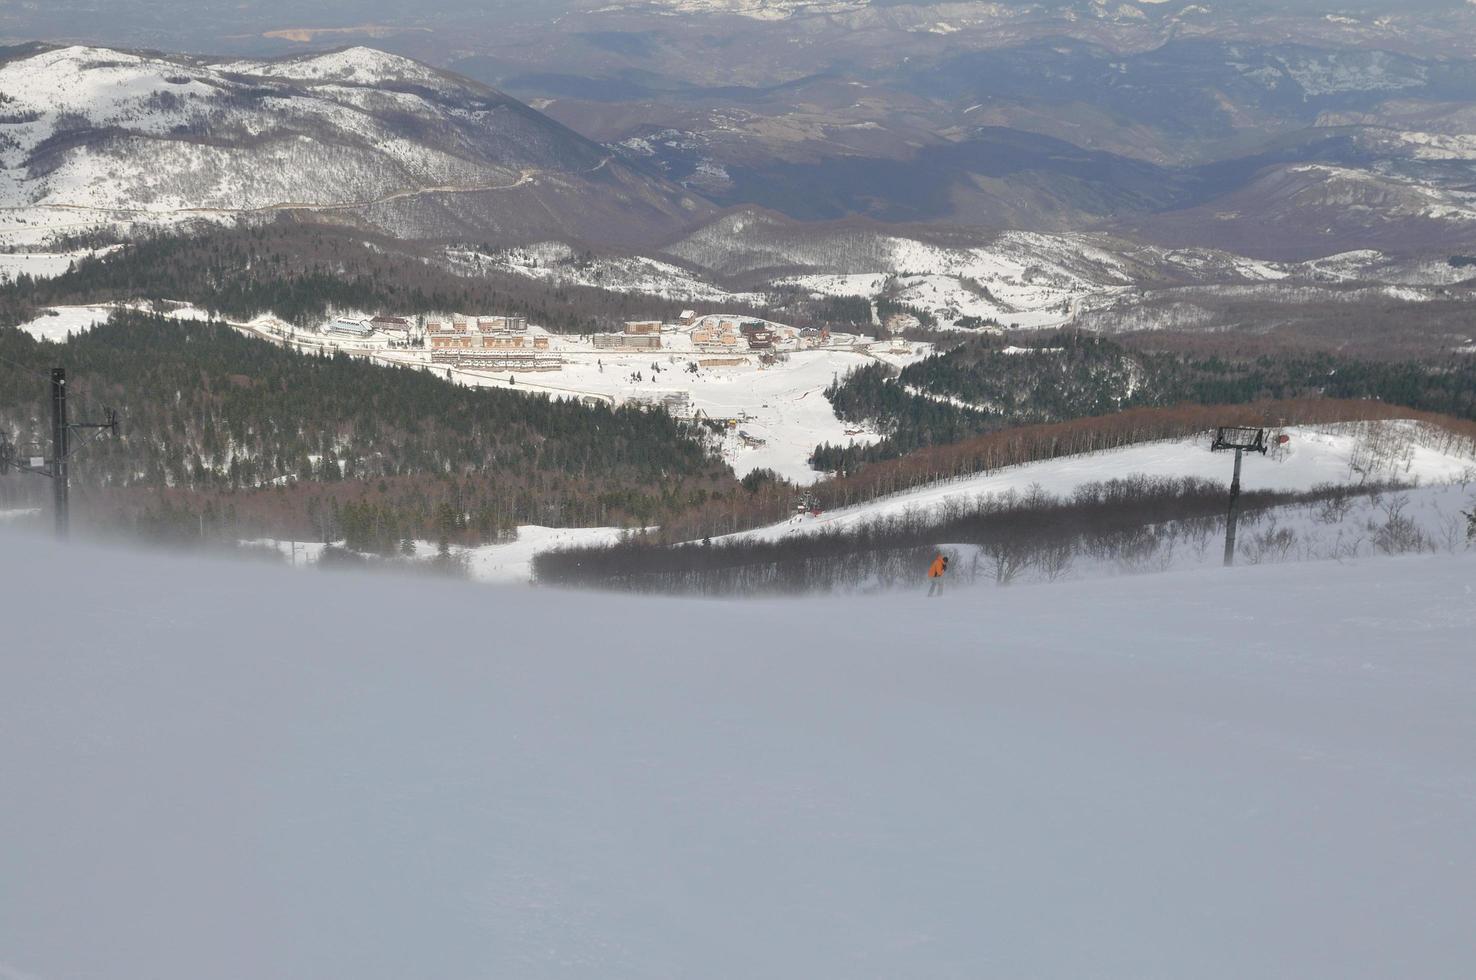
column 1304, row 210
column 96, row 137
column 239, row 772
column 1101, row 281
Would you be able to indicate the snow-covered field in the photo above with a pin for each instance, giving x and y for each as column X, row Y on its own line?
column 232, row 771
column 1343, row 454
column 44, row 265
column 57, row 322
column 781, row 406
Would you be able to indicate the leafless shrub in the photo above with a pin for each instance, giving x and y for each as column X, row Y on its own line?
column 1056, row 559
column 1334, row 510
column 1008, row 557
column 1452, row 530
column 1399, row 534
column 1199, row 533
column 1272, row 544
column 1136, row 550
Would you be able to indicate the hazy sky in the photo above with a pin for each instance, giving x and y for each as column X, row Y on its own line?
column 470, row 26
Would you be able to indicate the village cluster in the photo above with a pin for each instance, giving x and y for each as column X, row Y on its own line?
column 510, row 343
column 760, row 384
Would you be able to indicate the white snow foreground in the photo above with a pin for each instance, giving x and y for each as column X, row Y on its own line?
column 228, row 771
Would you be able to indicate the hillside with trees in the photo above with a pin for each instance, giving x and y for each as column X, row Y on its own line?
column 1130, row 523
column 989, row 384
column 276, row 441
column 301, row 273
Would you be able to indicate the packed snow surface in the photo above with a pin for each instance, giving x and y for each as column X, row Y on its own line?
column 234, row 771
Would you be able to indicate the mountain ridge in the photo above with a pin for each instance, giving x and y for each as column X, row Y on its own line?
column 354, row 136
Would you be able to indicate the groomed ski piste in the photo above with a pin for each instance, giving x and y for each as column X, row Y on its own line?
column 232, row 771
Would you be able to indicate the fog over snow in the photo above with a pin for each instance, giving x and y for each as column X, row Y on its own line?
column 234, row 771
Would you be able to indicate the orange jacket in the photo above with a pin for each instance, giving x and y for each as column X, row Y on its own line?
column 935, row 570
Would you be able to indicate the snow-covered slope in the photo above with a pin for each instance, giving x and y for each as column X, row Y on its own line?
column 1342, row 454
column 237, row 772
column 92, row 136
column 43, row 265
column 57, row 322
column 559, row 263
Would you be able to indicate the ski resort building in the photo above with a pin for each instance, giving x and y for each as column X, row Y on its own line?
column 502, row 324
column 758, row 335
column 623, row 341
column 390, row 324
column 445, row 339
column 349, row 327
column 499, row 360
column 723, row 336
column 482, row 333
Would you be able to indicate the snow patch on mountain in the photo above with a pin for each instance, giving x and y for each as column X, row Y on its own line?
column 1339, row 72
column 560, row 263
column 1440, row 146
column 356, row 65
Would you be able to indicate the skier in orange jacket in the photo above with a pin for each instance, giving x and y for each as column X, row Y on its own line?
column 935, row 575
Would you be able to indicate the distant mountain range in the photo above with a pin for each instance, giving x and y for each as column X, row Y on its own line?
column 1277, row 151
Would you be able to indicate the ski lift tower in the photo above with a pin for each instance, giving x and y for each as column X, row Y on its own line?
column 57, row 466
column 1242, row 440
